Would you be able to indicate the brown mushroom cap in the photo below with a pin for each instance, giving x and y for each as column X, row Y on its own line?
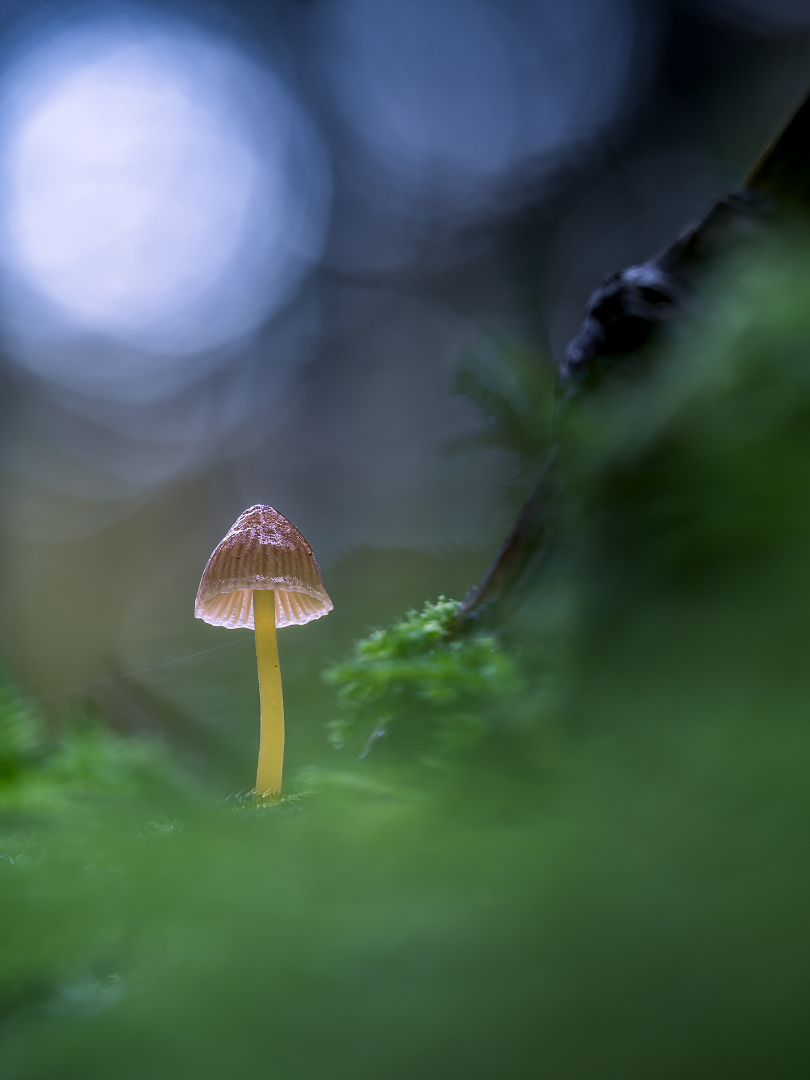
column 261, row 551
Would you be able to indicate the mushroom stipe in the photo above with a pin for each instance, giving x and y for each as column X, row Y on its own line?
column 263, row 574
column 271, row 736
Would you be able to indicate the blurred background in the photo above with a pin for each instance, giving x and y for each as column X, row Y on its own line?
column 243, row 250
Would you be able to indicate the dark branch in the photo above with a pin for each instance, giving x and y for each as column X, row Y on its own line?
column 625, row 313
column 528, row 535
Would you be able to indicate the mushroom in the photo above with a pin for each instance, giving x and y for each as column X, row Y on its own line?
column 263, row 575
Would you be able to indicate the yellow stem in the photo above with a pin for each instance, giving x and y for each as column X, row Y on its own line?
column 271, row 739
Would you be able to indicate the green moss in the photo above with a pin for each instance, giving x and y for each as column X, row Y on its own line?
column 417, row 686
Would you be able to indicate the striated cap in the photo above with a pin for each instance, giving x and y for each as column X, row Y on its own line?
column 261, row 551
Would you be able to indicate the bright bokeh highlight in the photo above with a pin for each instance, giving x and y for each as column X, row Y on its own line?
column 159, row 189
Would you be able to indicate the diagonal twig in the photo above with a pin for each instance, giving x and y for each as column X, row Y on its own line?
column 623, row 316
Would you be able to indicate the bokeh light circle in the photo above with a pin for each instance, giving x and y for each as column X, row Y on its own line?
column 159, row 191
column 446, row 99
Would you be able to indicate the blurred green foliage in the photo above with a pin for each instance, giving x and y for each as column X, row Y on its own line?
column 609, row 880
column 40, row 773
column 512, row 386
column 20, row 742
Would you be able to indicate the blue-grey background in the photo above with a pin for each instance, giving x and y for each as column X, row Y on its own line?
column 353, row 198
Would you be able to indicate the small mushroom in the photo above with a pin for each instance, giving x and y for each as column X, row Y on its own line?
column 263, row 575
